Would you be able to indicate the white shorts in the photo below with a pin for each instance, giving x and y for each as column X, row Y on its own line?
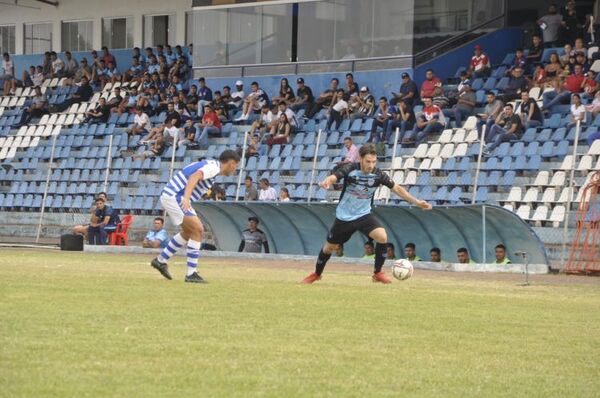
column 174, row 210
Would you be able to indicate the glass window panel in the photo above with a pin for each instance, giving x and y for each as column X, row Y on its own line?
column 158, row 29
column 243, row 35
column 210, row 37
column 77, row 36
column 117, row 32
column 37, row 38
column 7, row 39
column 276, row 33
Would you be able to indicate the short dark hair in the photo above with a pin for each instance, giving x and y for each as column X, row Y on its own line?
column 368, row 243
column 248, row 178
column 435, row 250
column 226, row 87
column 340, row 90
column 367, row 149
column 519, row 49
column 5, row 55
column 462, row 250
column 509, row 105
column 500, row 246
column 348, row 138
column 490, row 93
column 102, row 193
column 576, row 95
column 336, row 79
column 254, row 84
column 429, row 70
column 383, row 99
column 217, row 92
column 410, row 245
column 265, row 180
column 99, row 199
column 162, row 220
column 284, row 189
column 391, row 245
column 350, row 75
column 201, row 79
column 228, row 155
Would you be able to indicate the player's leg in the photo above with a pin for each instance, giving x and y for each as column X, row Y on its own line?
column 177, row 242
column 339, row 234
column 193, row 230
column 371, row 227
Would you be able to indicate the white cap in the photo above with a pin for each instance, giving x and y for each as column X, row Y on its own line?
column 239, row 83
column 364, row 88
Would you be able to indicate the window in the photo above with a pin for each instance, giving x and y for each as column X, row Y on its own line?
column 37, row 38
column 77, row 36
column 159, row 29
column 117, row 32
column 7, row 39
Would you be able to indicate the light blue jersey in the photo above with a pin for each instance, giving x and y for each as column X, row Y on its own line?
column 359, row 189
column 176, row 185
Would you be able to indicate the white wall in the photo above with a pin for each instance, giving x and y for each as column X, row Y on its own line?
column 33, row 11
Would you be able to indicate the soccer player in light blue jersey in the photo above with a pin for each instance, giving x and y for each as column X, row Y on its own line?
column 186, row 186
column 353, row 212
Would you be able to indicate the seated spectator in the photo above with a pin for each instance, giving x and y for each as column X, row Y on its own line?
column 564, row 59
column 104, row 220
column 520, row 60
column 38, row 78
column 351, row 85
column 500, row 251
column 100, row 74
column 325, row 100
column 590, row 85
column 369, row 251
column 516, row 83
column 99, row 114
column 47, row 65
column 479, row 67
column 170, row 56
column 553, row 68
column 338, row 111
column 135, row 71
column 187, row 135
column 580, row 48
column 284, row 195
column 439, row 98
column 184, row 113
column 157, row 237
column 27, row 76
column 282, row 108
column 253, row 102
column 465, row 105
column 114, row 100
column 578, row 111
column 435, row 255
column 351, row 151
column 462, row 255
column 237, row 97
column 38, row 107
column 429, row 85
column 107, row 57
column 280, row 133
column 390, row 253
column 362, row 105
column 83, row 228
column 129, row 103
column 539, row 77
column 408, row 91
column 550, row 25
column 251, row 193
column 460, row 88
column 156, row 148
column 267, row 192
column 172, row 114
column 71, row 65
column 83, row 94
column 410, row 252
column 304, row 96
column 263, row 123
column 205, row 96
column 403, row 118
column 58, row 66
column 8, row 75
column 163, row 84
column 153, row 66
column 253, row 239
column 255, row 148
column 531, row 113
column 572, row 85
column 141, row 123
column 384, row 114
column 594, row 107
column 508, row 127
column 210, row 125
column 431, row 120
column 160, row 130
column 535, row 51
column 286, row 93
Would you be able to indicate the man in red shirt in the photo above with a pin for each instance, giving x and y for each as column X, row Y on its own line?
column 108, row 57
column 211, row 124
column 431, row 120
column 480, row 64
column 430, row 83
column 573, row 84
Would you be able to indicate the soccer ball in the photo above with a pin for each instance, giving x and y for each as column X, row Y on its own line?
column 402, row 269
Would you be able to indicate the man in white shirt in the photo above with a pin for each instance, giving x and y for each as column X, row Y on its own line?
column 291, row 116
column 10, row 83
column 577, row 111
column 266, row 193
column 338, row 110
column 58, row 66
column 238, row 95
column 141, row 123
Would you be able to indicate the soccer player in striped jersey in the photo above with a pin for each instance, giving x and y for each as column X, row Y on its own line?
column 187, row 186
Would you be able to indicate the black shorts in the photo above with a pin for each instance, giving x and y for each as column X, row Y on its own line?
column 342, row 231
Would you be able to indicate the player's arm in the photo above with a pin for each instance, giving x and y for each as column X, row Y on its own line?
column 404, row 194
column 189, row 188
column 266, row 244
column 338, row 174
column 328, row 182
column 242, row 245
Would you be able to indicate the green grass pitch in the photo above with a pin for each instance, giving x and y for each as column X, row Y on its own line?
column 75, row 325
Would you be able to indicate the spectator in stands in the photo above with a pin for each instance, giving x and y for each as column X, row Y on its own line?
column 253, row 102
column 251, row 193
column 71, row 65
column 286, row 93
column 210, row 125
column 536, row 50
column 38, row 107
column 8, row 75
column 435, row 255
column 135, row 71
column 58, row 66
column 594, row 107
column 429, row 85
column 99, row 114
column 280, row 133
column 170, row 56
column 282, row 108
column 253, row 239
column 205, row 96
column 102, row 222
column 362, row 105
column 564, row 59
column 590, row 85
column 520, row 60
column 578, row 111
column 325, row 100
column 553, row 68
column 141, row 123
column 237, row 97
column 38, row 78
column 572, row 85
column 410, row 252
column 255, row 147
column 304, row 96
column 500, row 251
column 107, row 57
column 153, row 66
column 156, row 148
column 351, row 85
column 114, row 100
column 550, row 25
column 26, row 77
column 369, row 251
column 160, row 130
column 479, row 67
column 172, row 114
column 408, row 91
column 465, row 106
column 431, row 120
column 284, row 195
column 403, row 118
column 539, row 77
column 83, row 229
column 157, row 237
column 460, row 88
column 462, row 255
column 47, row 64
column 517, row 82
column 390, row 253
column 439, row 98
column 83, row 94
column 351, row 151
column 187, row 135
column 338, row 111
column 264, row 123
column 531, row 114
column 129, row 103
column 99, row 74
column 267, row 192
column 508, row 127
column 384, row 114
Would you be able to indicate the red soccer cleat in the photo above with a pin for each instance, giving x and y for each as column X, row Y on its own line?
column 311, row 279
column 381, row 277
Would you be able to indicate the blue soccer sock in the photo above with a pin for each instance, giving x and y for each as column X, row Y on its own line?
column 175, row 244
column 193, row 252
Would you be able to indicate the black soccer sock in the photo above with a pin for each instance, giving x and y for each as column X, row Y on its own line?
column 380, row 252
column 321, row 261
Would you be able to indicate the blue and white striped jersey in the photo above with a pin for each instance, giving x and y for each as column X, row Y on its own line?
column 176, row 185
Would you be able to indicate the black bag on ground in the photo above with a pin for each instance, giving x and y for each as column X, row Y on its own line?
column 71, row 242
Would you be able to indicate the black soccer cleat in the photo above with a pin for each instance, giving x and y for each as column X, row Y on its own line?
column 194, row 278
column 162, row 268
